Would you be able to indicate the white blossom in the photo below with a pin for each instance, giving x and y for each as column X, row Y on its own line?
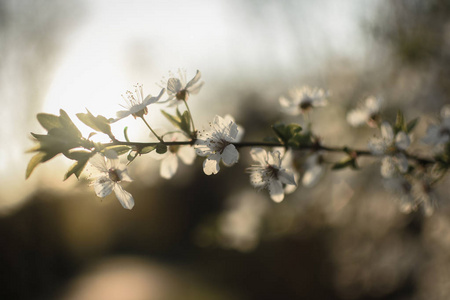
column 136, row 104
column 108, row 172
column 217, row 144
column 439, row 134
column 301, row 100
column 269, row 174
column 367, row 113
column 425, row 195
column 390, row 147
column 314, row 169
column 402, row 188
column 179, row 89
column 175, row 153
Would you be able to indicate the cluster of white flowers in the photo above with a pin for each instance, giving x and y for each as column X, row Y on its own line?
column 391, row 147
column 278, row 170
column 302, row 100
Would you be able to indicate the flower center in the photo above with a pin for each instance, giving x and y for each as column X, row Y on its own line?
column 140, row 113
column 306, row 104
column 182, row 95
column 173, row 148
column 113, row 175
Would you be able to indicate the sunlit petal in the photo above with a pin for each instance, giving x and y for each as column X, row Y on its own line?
column 125, row 198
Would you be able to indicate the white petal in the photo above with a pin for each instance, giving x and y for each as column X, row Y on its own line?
column 274, row 159
column 149, row 99
column 123, row 196
column 357, row 117
column 103, row 186
column 445, row 111
column 377, row 146
column 286, row 177
column 402, row 140
column 169, row 166
column 312, row 175
column 373, row 104
column 194, row 80
column 187, row 154
column 276, row 190
column 387, row 167
column 402, row 163
column 122, row 114
column 233, row 131
column 98, row 161
column 211, row 164
column 256, row 179
column 230, row 155
column 123, row 175
column 386, row 132
column 193, row 90
column 173, row 86
column 259, row 155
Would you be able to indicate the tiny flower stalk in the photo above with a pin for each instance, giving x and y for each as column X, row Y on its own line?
column 154, row 133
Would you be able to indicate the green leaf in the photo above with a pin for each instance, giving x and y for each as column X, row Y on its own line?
column 411, row 125
column 347, row 162
column 185, row 123
column 38, row 158
column 119, row 149
column 76, row 169
column 174, row 120
column 399, row 123
column 67, row 123
column 98, row 123
column 48, row 121
column 78, row 155
column 147, row 149
column 34, row 162
column 131, row 157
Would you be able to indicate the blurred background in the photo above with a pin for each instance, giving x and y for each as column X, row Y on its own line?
column 214, row 237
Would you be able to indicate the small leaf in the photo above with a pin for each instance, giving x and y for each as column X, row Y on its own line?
column 411, row 125
column 79, row 155
column 119, row 149
column 67, row 123
column 174, row 120
column 34, row 162
column 147, row 149
column 48, row 121
column 98, row 123
column 76, row 169
column 40, row 157
column 347, row 162
column 399, row 123
column 131, row 157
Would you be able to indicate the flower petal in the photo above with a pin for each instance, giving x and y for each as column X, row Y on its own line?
column 173, row 86
column 276, row 190
column 357, row 117
column 103, row 186
column 98, row 161
column 169, row 166
column 149, row 99
column 312, row 175
column 402, row 162
column 211, row 164
column 230, row 155
column 387, row 167
column 286, row 177
column 187, row 154
column 387, row 133
column 194, row 80
column 259, row 155
column 402, row 140
column 125, row 198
